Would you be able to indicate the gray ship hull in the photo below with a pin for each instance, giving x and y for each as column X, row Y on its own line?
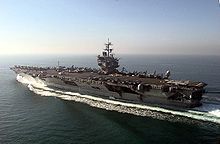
column 153, row 98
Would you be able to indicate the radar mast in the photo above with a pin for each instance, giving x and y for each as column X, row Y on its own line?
column 108, row 49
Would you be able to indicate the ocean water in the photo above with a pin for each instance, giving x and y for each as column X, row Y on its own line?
column 32, row 115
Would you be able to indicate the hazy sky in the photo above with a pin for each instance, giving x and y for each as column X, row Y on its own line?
column 134, row 26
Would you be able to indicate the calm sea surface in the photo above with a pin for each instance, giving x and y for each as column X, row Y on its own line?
column 26, row 117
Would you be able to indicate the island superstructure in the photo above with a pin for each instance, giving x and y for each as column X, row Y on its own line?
column 107, row 62
column 110, row 83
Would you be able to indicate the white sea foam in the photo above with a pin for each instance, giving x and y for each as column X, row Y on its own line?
column 26, row 79
column 207, row 112
column 215, row 112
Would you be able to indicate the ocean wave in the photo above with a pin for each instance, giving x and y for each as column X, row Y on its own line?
column 207, row 112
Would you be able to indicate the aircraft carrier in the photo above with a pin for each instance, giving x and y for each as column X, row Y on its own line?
column 110, row 83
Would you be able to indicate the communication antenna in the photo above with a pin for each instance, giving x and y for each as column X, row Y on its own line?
column 58, row 64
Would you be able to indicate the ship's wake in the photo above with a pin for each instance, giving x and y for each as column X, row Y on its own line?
column 206, row 113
